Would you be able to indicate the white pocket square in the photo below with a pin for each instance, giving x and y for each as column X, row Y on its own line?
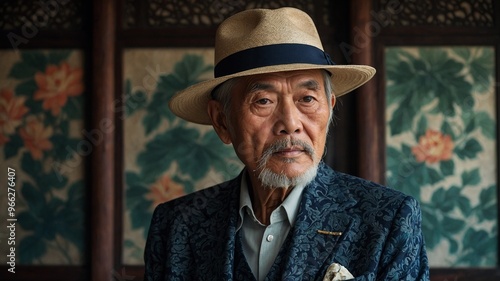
column 337, row 272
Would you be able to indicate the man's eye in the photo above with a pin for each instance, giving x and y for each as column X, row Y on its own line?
column 307, row 99
column 263, row 101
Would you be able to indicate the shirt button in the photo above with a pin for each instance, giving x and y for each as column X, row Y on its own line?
column 269, row 238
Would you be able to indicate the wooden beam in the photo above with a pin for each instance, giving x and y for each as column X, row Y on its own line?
column 371, row 165
column 102, row 122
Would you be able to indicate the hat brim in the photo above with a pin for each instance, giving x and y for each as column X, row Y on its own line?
column 191, row 103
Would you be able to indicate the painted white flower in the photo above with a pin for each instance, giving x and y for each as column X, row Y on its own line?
column 337, row 272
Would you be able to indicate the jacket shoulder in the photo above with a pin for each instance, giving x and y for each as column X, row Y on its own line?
column 201, row 203
column 368, row 195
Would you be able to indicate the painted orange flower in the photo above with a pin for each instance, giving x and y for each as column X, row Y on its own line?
column 433, row 147
column 36, row 137
column 12, row 110
column 164, row 189
column 56, row 85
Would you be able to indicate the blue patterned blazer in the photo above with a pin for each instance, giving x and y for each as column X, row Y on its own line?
column 194, row 237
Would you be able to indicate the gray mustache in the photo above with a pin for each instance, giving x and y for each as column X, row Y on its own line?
column 282, row 144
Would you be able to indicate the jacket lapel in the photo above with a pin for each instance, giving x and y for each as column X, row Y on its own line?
column 218, row 234
column 321, row 226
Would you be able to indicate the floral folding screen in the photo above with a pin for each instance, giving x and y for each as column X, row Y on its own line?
column 165, row 156
column 441, row 147
column 41, row 139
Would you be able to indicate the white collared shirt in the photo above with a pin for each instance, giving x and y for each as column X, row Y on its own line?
column 261, row 243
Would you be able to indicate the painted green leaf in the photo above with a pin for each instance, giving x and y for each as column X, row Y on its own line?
column 421, row 128
column 488, row 195
column 489, row 213
column 398, row 91
column 438, row 196
column 134, row 101
column 151, row 121
column 400, row 73
column 453, row 246
column 393, row 159
column 440, row 200
column 164, row 148
column 31, row 63
column 127, row 243
column 436, row 76
column 51, row 222
column 406, row 151
column 471, row 177
column 429, row 175
column 22, row 70
column 482, row 68
column 35, row 59
column 73, row 109
column 473, row 237
column 431, row 228
column 70, row 218
column 452, row 225
column 453, row 91
column 488, row 203
column 132, row 178
column 449, row 199
column 27, row 221
column 221, row 156
column 410, row 185
column 139, row 206
column 401, row 120
column 196, row 161
column 470, row 126
column 447, row 167
column 33, row 197
column 31, row 248
column 161, row 97
column 469, row 150
column 486, row 124
column 56, row 57
column 446, row 129
column 186, row 73
column 12, row 147
column 27, row 88
column 462, row 52
column 76, row 195
column 66, row 148
column 50, row 180
column 190, row 68
column 464, row 205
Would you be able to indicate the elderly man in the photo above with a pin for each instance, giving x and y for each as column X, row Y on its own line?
column 287, row 216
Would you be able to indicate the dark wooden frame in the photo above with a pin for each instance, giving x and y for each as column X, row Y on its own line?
column 371, row 101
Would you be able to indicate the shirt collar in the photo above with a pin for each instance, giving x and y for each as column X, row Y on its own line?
column 291, row 203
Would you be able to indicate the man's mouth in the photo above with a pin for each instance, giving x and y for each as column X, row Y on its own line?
column 290, row 151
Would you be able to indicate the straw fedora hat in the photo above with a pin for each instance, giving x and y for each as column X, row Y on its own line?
column 264, row 41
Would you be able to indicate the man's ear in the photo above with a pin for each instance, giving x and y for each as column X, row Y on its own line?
column 219, row 121
column 334, row 100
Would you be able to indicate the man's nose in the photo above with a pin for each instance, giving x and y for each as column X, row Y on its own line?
column 288, row 119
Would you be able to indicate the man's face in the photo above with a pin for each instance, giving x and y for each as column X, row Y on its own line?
column 278, row 122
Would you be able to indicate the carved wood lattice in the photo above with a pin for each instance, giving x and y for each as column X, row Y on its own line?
column 442, row 13
column 47, row 15
column 195, row 13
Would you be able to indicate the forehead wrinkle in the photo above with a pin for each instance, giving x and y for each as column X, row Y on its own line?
column 259, row 86
column 310, row 84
